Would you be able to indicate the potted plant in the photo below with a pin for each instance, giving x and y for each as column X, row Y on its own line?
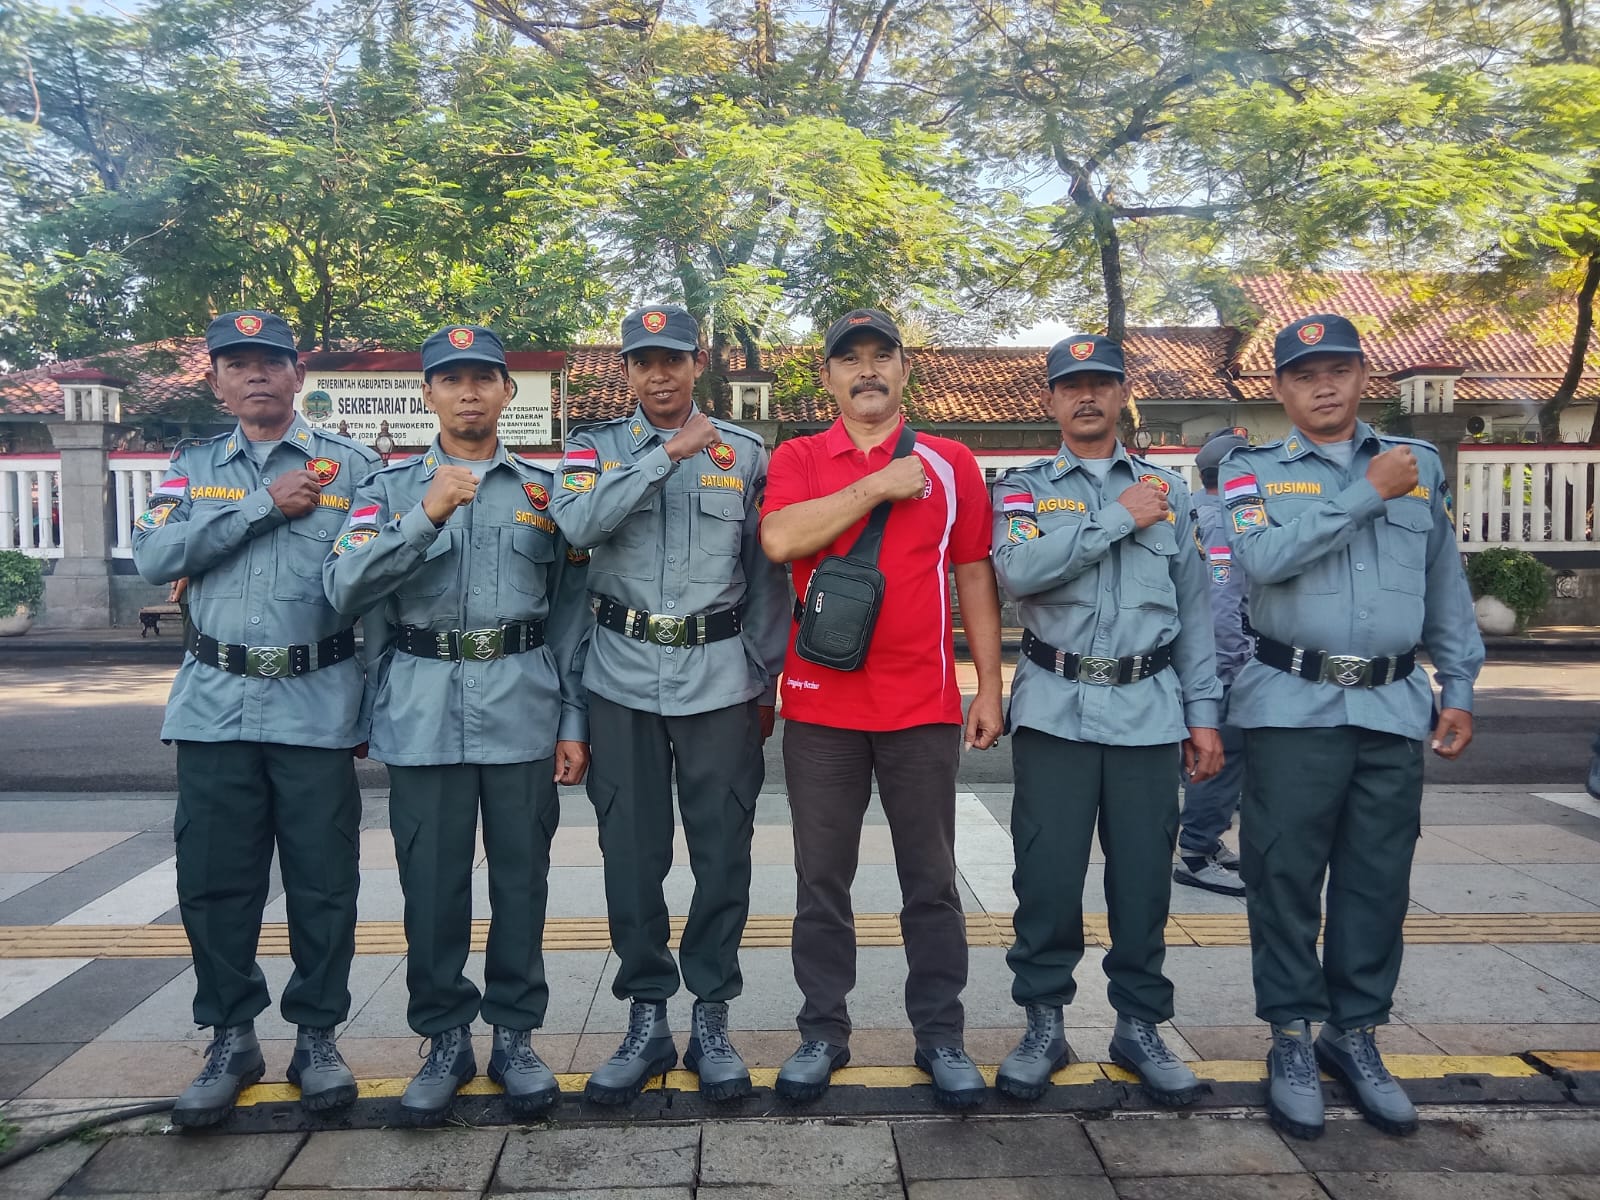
column 21, row 591
column 1510, row 587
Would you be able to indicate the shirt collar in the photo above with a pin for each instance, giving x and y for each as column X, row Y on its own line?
column 639, row 427
column 436, row 458
column 837, row 440
column 1297, row 445
column 298, row 434
column 1066, row 460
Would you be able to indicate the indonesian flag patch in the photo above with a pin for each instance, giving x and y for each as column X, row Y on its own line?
column 172, row 489
column 367, row 514
column 1238, row 490
column 1016, row 502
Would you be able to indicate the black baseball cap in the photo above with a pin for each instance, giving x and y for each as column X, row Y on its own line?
column 1320, row 333
column 1218, row 445
column 664, row 325
column 250, row 327
column 1089, row 352
column 860, row 320
column 462, row 343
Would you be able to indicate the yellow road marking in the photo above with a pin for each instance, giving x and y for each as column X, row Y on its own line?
column 1406, row 1066
column 1568, row 1060
column 773, row 931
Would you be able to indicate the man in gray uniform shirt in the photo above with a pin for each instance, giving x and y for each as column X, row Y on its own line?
column 682, row 675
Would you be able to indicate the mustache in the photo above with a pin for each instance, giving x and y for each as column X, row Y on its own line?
column 1087, row 410
column 870, row 385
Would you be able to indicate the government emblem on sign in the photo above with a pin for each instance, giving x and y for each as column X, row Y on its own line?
column 538, row 495
column 318, row 405
column 1081, row 350
column 1311, row 334
column 722, row 454
column 247, row 325
column 654, row 321
column 461, row 339
column 325, row 469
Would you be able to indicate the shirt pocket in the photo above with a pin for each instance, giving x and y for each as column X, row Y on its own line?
column 435, row 574
column 718, row 526
column 1147, row 568
column 525, row 558
column 301, row 550
column 1403, row 546
column 630, row 552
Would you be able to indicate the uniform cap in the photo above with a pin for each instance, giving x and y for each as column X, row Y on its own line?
column 1217, row 447
column 860, row 320
column 664, row 325
column 249, row 327
column 1087, row 352
column 462, row 343
column 1320, row 333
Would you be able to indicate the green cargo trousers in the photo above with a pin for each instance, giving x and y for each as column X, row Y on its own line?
column 433, row 814
column 1345, row 803
column 1063, row 790
column 236, row 801
column 717, row 759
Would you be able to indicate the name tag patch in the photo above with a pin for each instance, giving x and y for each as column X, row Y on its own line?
column 1294, row 487
column 538, row 522
column 722, row 481
column 208, row 492
column 1060, row 504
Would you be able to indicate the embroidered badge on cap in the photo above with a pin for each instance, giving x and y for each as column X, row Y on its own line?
column 722, row 454
column 461, row 338
column 351, row 538
column 1251, row 514
column 1311, row 334
column 861, row 320
column 654, row 321
column 1081, row 350
column 247, row 325
column 1155, row 481
column 1237, row 491
column 325, row 469
column 538, row 495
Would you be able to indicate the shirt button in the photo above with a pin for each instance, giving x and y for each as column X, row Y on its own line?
column 671, row 559
column 262, row 510
column 255, row 620
column 322, row 533
column 670, row 649
column 672, row 604
column 472, row 683
column 1124, row 529
column 1362, row 614
column 727, row 512
column 661, row 470
column 266, row 479
column 257, row 571
column 1361, row 566
column 477, row 591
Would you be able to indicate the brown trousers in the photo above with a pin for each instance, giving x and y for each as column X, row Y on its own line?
column 829, row 774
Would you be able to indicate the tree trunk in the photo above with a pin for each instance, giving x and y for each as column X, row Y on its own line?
column 1550, row 411
column 713, row 390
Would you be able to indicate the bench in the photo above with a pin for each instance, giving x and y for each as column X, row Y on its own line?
column 150, row 617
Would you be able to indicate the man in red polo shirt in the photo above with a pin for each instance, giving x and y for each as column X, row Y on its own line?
column 898, row 717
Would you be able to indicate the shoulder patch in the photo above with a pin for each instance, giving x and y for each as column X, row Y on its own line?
column 1021, row 527
column 1241, row 490
column 1248, row 514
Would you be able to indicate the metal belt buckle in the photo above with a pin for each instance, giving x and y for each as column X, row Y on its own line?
column 666, row 631
column 1346, row 670
column 481, row 645
column 1102, row 672
column 266, row 662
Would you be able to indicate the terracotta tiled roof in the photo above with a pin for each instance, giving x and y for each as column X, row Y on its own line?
column 953, row 384
column 1505, row 357
column 163, row 375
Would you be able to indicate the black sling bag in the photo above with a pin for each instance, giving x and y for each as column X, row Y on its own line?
column 845, row 592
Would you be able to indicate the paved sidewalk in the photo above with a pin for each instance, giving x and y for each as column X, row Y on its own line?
column 1475, row 1157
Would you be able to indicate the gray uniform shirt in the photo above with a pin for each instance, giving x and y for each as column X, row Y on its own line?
column 678, row 539
column 1335, row 567
column 498, row 559
column 255, row 578
column 1086, row 581
column 1229, row 581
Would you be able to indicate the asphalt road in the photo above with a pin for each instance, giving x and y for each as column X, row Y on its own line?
column 77, row 723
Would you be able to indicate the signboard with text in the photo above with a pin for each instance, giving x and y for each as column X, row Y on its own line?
column 371, row 393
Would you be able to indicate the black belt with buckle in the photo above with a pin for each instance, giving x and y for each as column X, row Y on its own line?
column 661, row 630
column 471, row 645
column 1089, row 668
column 269, row 662
column 1344, row 670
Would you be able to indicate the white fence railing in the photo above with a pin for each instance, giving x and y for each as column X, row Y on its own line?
column 133, row 478
column 30, row 504
column 1176, row 458
column 1532, row 497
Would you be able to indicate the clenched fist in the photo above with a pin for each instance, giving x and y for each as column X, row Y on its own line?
column 902, row 479
column 1145, row 504
column 1394, row 472
column 697, row 433
column 452, row 487
column 295, row 493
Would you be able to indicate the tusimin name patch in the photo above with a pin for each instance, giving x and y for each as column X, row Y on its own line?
column 1294, row 487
